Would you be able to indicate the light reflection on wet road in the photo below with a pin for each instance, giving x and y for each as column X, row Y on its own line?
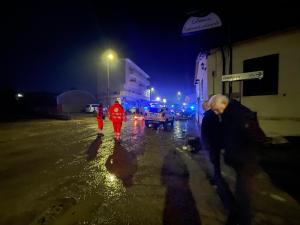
column 59, row 172
column 76, row 178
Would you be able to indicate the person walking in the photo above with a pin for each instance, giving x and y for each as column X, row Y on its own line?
column 117, row 116
column 100, row 118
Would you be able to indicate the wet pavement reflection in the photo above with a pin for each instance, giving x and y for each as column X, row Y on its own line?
column 59, row 172
column 122, row 164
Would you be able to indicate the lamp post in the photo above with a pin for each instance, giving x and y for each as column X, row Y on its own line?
column 108, row 57
column 178, row 96
column 151, row 91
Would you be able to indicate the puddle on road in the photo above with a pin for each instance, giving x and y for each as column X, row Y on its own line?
column 101, row 173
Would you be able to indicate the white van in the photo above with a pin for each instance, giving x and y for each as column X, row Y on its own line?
column 91, row 108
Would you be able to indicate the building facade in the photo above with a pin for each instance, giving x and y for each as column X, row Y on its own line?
column 275, row 96
column 127, row 82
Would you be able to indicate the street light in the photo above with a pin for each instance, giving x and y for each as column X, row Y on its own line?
column 108, row 56
column 151, row 91
column 178, row 96
column 158, row 99
column 19, row 95
column 164, row 100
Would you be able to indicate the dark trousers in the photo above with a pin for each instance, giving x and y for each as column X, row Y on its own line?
column 215, row 157
column 240, row 204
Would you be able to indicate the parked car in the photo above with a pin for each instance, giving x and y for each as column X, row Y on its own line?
column 91, row 108
column 159, row 116
column 184, row 115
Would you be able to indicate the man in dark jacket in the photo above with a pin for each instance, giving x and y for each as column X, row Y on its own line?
column 211, row 133
column 242, row 136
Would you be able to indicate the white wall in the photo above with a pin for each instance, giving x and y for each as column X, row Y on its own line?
column 287, row 45
column 278, row 114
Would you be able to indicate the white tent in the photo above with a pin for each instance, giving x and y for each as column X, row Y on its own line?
column 74, row 100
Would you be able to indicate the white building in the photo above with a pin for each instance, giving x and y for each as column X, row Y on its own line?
column 127, row 82
column 275, row 97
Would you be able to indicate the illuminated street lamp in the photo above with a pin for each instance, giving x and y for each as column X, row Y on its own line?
column 151, row 91
column 157, row 99
column 164, row 100
column 109, row 56
column 178, row 95
column 19, row 96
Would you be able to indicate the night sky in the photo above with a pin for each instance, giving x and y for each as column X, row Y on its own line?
column 57, row 46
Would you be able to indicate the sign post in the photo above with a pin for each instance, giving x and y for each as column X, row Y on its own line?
column 241, row 77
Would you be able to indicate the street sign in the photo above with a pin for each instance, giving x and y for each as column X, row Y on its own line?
column 194, row 24
column 243, row 76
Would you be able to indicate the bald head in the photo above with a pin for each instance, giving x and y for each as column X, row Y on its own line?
column 218, row 103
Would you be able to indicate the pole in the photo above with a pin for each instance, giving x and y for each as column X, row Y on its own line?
column 241, row 83
column 198, row 110
column 223, row 70
column 199, row 98
column 230, row 67
column 108, row 102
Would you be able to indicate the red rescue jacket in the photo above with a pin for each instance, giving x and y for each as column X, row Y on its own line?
column 116, row 113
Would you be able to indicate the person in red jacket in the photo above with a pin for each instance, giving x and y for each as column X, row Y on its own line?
column 117, row 116
column 100, row 117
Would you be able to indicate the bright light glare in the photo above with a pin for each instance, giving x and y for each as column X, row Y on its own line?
column 110, row 56
column 111, row 178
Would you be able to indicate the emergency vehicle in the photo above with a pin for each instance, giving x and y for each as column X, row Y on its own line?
column 159, row 116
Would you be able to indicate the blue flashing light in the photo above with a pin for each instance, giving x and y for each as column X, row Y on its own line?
column 192, row 107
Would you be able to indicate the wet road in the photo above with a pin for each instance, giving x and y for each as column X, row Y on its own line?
column 59, row 172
